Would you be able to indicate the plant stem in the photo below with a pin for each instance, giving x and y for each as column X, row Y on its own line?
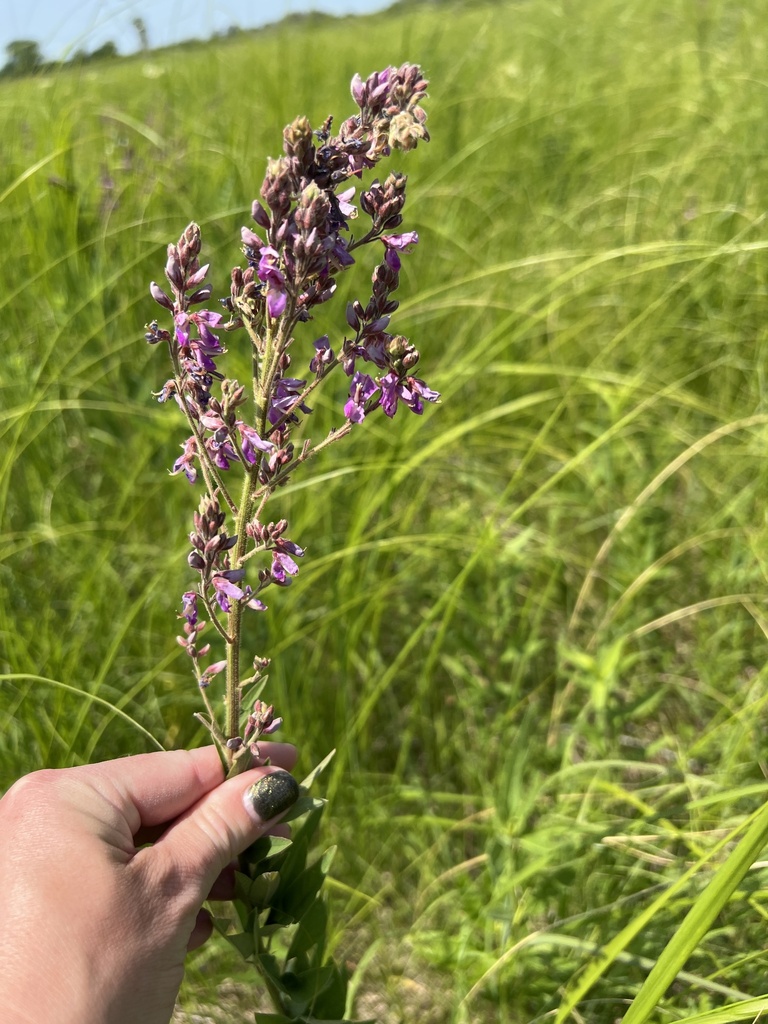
column 235, row 616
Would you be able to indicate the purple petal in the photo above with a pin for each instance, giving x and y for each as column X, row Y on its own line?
column 356, row 88
column 251, row 239
column 159, row 296
column 345, row 205
column 209, row 317
column 276, row 301
column 254, row 602
column 285, row 562
column 401, row 242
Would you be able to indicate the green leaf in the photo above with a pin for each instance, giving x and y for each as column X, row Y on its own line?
column 307, row 783
column 264, row 849
column 240, row 904
column 685, row 940
column 749, row 1010
column 325, row 1020
column 271, row 967
column 304, row 804
column 311, row 931
column 263, row 888
column 295, row 859
column 295, row 899
column 699, row 919
column 243, row 943
column 331, row 1001
column 305, row 989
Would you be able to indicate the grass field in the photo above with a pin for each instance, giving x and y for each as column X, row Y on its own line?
column 532, row 622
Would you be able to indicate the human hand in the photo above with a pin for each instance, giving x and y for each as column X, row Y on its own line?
column 95, row 924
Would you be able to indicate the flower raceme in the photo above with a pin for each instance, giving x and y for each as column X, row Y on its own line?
column 301, row 240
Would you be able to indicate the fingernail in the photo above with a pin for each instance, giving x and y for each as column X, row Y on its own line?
column 272, row 795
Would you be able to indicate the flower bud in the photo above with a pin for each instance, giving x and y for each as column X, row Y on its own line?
column 173, row 268
column 357, row 88
column 189, row 243
column 260, row 215
column 352, row 318
column 201, row 295
column 198, row 277
column 251, row 239
column 298, row 141
column 159, row 296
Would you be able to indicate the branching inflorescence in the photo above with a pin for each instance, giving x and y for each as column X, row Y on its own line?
column 301, row 242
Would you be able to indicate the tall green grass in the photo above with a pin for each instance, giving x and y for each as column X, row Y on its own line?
column 533, row 622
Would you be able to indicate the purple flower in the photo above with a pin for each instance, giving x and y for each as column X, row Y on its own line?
column 206, row 345
column 323, row 354
column 403, row 242
column 283, row 563
column 225, row 585
column 221, row 450
column 185, row 462
column 391, row 391
column 252, row 443
column 270, row 273
column 283, row 566
column 420, row 390
column 211, row 671
column 207, row 316
column 340, row 254
column 410, row 392
column 284, row 398
column 261, row 721
column 394, row 244
column 283, row 544
column 192, row 627
column 253, row 602
column 212, row 421
column 189, row 606
column 346, row 208
column 360, row 390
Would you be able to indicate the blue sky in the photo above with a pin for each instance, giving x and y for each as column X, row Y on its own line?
column 62, row 26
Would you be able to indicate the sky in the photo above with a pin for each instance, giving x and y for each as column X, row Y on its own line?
column 62, row 26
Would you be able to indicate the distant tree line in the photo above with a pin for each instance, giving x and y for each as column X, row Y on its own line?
column 25, row 58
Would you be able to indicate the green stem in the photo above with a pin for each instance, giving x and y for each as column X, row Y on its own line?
column 212, row 615
column 267, row 350
column 274, row 346
column 282, row 475
column 236, row 614
column 274, row 992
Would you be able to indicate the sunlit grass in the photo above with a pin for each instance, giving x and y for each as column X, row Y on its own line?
column 533, row 622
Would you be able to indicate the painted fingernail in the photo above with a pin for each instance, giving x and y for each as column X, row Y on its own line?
column 272, row 795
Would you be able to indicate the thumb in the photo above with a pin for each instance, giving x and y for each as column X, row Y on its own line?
column 208, row 836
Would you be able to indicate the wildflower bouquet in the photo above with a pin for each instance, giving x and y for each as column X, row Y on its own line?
column 241, row 448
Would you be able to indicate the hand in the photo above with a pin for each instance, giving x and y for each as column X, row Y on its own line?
column 96, row 924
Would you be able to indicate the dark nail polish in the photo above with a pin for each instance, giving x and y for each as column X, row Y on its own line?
column 273, row 794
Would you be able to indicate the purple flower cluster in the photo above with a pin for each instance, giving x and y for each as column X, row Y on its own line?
column 301, row 241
